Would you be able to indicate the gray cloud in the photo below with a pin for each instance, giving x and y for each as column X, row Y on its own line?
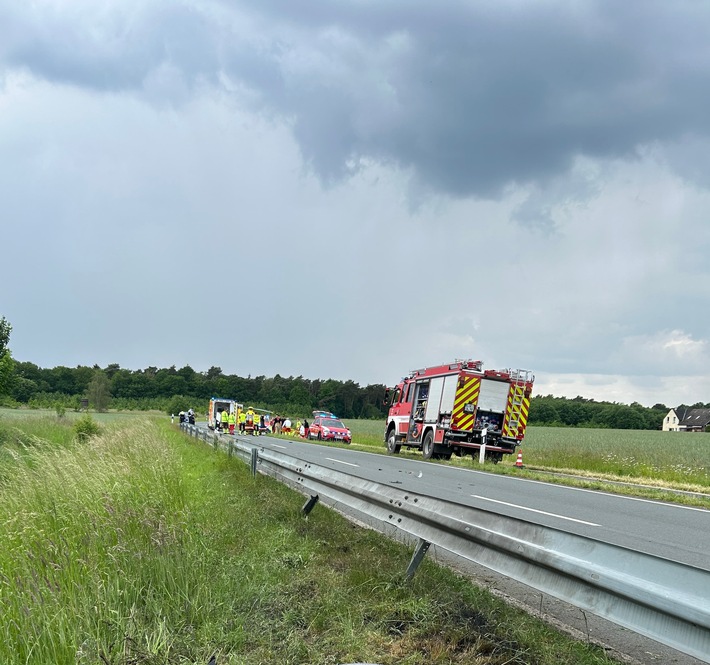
column 469, row 98
column 521, row 183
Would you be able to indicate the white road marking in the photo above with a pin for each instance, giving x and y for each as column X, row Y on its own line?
column 340, row 461
column 533, row 510
column 276, row 445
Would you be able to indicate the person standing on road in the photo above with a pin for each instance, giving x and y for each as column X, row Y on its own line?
column 231, row 419
column 242, row 420
column 252, row 420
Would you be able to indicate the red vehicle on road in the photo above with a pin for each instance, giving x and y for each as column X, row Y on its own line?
column 329, row 429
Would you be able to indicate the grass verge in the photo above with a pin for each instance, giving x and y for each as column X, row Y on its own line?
column 142, row 546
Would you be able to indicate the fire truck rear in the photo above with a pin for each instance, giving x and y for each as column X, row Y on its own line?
column 457, row 408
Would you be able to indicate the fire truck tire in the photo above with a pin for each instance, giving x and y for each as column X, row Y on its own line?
column 393, row 447
column 428, row 445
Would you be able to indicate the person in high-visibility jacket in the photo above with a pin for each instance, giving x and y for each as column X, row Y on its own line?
column 242, row 420
column 252, row 420
column 231, row 420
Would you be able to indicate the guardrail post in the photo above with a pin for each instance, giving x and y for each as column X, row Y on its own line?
column 417, row 557
column 310, row 504
column 254, row 460
column 231, row 446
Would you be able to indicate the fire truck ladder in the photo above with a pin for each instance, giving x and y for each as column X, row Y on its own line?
column 519, row 378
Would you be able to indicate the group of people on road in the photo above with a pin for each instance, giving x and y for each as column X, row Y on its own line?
column 249, row 422
column 225, row 421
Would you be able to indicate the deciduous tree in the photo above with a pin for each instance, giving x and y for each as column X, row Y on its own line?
column 7, row 365
column 99, row 392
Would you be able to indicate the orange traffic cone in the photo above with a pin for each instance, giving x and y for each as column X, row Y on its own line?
column 519, row 461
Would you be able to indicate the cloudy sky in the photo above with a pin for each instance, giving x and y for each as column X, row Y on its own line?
column 353, row 189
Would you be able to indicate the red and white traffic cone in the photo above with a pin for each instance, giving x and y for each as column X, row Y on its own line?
column 519, row 461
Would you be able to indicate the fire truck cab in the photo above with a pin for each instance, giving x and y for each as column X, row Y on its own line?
column 458, row 407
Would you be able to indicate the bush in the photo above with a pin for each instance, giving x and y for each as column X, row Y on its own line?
column 86, row 427
column 60, row 409
column 179, row 403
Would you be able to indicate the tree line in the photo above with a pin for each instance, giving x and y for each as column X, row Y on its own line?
column 553, row 411
column 171, row 390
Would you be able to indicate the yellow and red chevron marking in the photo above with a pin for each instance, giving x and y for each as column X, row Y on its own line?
column 468, row 391
column 516, row 416
column 523, row 420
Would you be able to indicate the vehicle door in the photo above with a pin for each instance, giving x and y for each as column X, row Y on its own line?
column 401, row 408
column 419, row 397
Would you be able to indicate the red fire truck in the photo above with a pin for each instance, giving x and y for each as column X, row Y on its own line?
column 457, row 408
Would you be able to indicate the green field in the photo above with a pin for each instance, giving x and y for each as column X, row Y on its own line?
column 71, row 416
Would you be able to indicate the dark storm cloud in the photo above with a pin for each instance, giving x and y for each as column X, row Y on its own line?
column 469, row 97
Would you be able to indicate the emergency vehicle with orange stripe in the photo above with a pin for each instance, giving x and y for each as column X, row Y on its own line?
column 457, row 408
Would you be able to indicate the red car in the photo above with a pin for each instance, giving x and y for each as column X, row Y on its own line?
column 329, row 429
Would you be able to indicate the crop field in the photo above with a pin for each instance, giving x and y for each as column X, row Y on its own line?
column 71, row 416
column 678, row 458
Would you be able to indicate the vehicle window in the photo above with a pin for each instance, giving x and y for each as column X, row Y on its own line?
column 406, row 393
column 333, row 423
column 396, row 394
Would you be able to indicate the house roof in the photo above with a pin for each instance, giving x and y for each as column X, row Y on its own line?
column 696, row 418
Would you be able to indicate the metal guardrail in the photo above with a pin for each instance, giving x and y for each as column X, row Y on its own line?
column 661, row 599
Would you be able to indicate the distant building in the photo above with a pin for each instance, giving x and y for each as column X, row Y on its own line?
column 687, row 420
column 671, row 423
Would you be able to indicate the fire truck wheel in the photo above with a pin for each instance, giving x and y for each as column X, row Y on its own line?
column 393, row 447
column 428, row 445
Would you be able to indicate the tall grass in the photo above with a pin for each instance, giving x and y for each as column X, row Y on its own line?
column 143, row 547
column 88, row 546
